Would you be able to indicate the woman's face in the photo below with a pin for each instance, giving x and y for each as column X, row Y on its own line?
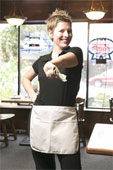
column 61, row 35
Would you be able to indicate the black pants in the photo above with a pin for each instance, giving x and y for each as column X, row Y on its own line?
column 47, row 161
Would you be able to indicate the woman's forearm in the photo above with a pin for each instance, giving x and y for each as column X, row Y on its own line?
column 67, row 60
column 28, row 88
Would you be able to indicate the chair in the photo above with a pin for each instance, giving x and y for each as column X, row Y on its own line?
column 4, row 118
column 111, row 109
column 81, row 118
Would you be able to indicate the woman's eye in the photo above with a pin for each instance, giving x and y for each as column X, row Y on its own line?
column 61, row 31
column 69, row 32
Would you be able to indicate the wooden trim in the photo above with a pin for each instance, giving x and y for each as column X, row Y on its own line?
column 99, row 151
column 14, row 106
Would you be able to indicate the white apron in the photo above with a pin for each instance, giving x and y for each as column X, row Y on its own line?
column 54, row 129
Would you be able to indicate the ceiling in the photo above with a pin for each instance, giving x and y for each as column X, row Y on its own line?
column 40, row 9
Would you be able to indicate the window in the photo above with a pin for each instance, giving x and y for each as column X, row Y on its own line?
column 8, row 61
column 80, row 39
column 34, row 42
column 100, row 78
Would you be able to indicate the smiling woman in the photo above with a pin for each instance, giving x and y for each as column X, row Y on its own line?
column 55, row 103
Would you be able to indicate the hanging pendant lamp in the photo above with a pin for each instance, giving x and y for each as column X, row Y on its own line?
column 15, row 20
column 95, row 14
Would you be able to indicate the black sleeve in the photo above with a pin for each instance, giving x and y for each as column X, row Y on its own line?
column 78, row 52
column 35, row 65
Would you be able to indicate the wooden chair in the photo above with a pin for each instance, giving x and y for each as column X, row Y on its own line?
column 81, row 118
column 111, row 109
column 4, row 118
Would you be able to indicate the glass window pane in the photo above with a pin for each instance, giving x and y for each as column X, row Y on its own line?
column 34, row 42
column 8, row 61
column 80, row 39
column 100, row 65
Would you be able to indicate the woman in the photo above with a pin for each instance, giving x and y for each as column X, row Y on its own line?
column 54, row 128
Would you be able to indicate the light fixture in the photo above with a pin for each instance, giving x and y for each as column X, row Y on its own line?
column 95, row 14
column 15, row 20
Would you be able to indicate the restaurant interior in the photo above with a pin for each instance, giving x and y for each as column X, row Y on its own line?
column 24, row 39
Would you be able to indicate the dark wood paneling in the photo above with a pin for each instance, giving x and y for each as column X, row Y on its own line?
column 21, row 115
column 92, row 117
column 40, row 9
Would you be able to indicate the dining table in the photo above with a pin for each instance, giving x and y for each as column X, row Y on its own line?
column 18, row 100
column 101, row 140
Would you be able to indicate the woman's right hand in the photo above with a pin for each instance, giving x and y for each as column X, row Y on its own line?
column 33, row 97
column 49, row 69
column 26, row 82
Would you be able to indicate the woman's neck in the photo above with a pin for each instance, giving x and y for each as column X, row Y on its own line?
column 54, row 55
column 57, row 50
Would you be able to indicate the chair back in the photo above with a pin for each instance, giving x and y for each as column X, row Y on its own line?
column 80, row 108
column 111, row 109
column 79, row 100
column 79, row 103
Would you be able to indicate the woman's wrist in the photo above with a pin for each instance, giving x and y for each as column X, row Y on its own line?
column 58, row 62
column 49, row 69
column 33, row 97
